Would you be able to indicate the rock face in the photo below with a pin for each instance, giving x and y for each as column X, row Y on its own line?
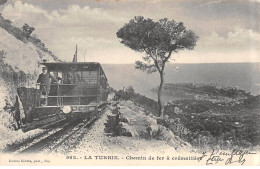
column 28, row 99
column 152, row 131
column 112, row 123
column 127, row 119
column 19, row 67
column 125, row 130
column 116, row 124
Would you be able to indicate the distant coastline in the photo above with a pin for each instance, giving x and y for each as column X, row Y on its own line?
column 245, row 76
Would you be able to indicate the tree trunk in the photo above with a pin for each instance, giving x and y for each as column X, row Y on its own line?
column 160, row 101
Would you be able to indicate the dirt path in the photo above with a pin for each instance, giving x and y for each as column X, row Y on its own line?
column 98, row 143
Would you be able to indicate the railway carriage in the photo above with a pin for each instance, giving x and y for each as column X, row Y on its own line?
column 81, row 91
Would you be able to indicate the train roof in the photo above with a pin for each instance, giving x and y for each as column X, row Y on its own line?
column 66, row 64
column 70, row 63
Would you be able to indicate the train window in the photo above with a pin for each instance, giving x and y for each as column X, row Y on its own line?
column 69, row 78
column 85, row 76
column 72, row 77
column 89, row 73
column 55, row 74
column 93, row 74
column 78, row 76
column 60, row 76
column 89, row 77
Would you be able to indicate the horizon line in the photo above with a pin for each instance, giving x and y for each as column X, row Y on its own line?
column 184, row 63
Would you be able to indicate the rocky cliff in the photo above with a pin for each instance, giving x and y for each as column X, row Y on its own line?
column 20, row 55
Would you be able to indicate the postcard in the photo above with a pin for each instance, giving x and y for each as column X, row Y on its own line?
column 129, row 83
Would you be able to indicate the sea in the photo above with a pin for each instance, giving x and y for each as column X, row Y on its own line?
column 244, row 76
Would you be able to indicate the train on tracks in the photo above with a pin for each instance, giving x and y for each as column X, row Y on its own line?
column 80, row 92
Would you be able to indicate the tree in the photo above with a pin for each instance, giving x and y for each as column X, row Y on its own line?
column 130, row 90
column 2, row 2
column 27, row 29
column 157, row 40
column 2, row 55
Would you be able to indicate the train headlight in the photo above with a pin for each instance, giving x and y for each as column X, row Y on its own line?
column 66, row 109
column 91, row 108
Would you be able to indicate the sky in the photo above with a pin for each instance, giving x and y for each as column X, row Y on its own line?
column 228, row 30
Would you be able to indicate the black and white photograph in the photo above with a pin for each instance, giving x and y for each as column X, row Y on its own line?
column 129, row 82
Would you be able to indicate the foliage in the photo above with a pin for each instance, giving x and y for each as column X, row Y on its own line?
column 148, row 104
column 209, row 89
column 158, row 40
column 24, row 34
column 252, row 102
column 205, row 124
column 121, row 94
column 27, row 29
column 226, row 126
column 130, row 90
column 2, row 55
column 2, row 2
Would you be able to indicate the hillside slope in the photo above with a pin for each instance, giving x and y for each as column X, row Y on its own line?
column 20, row 56
column 99, row 142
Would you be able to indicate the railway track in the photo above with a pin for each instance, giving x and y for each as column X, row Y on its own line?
column 40, row 145
column 52, row 139
column 55, row 140
column 16, row 146
column 78, row 134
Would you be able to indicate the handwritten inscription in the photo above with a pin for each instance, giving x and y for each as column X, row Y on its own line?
column 224, row 157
